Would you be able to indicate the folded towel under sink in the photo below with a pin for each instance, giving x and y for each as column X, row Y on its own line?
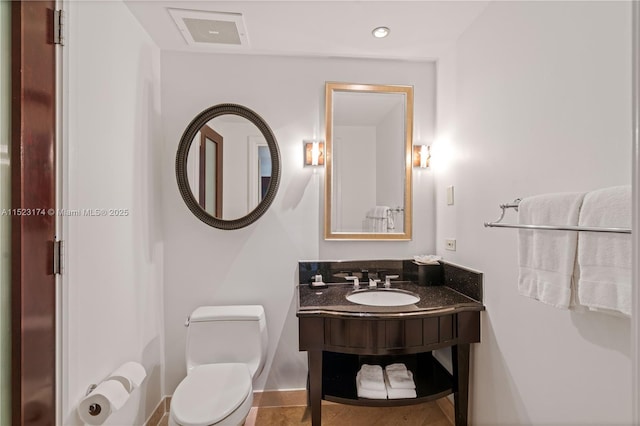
column 399, row 377
column 364, row 392
column 371, row 377
column 395, row 393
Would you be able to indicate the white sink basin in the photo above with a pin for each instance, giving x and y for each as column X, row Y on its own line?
column 383, row 297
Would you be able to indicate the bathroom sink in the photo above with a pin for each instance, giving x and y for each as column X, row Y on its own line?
column 383, row 297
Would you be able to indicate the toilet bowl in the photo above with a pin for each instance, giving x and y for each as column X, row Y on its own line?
column 220, row 366
column 215, row 394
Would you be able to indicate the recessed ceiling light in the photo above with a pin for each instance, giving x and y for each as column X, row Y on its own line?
column 380, row 32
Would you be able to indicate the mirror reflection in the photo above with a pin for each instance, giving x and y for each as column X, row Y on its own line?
column 227, row 153
column 368, row 191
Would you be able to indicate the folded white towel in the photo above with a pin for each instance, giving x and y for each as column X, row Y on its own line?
column 547, row 258
column 398, row 366
column 368, row 368
column 393, row 393
column 604, row 259
column 400, row 379
column 364, row 392
column 371, row 377
column 427, row 259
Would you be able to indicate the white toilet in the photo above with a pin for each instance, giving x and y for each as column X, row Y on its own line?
column 226, row 349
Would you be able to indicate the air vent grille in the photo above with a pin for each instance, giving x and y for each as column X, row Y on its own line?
column 203, row 28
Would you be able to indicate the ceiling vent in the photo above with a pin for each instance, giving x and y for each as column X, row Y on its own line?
column 202, row 28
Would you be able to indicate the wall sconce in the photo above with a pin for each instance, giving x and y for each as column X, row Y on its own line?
column 313, row 153
column 421, row 156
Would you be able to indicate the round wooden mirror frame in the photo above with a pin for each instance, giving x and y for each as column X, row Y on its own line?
column 181, row 166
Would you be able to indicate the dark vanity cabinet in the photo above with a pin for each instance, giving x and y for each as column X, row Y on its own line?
column 340, row 336
column 339, row 343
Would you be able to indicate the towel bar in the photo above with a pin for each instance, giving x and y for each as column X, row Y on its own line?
column 514, row 205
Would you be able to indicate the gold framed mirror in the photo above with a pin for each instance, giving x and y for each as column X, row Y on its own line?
column 368, row 180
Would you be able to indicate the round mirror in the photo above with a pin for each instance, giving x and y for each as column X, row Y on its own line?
column 228, row 166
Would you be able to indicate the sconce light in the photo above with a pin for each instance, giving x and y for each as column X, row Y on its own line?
column 421, row 156
column 313, row 153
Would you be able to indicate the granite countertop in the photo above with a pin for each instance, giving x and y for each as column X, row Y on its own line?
column 434, row 300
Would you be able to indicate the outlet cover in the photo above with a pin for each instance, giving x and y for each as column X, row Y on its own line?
column 450, row 244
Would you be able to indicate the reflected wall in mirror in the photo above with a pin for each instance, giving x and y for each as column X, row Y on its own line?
column 368, row 167
column 228, row 166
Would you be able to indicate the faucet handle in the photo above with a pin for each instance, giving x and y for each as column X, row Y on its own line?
column 365, row 274
column 387, row 280
column 356, row 282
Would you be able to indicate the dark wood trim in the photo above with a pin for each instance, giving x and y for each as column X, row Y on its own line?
column 460, row 356
column 33, row 128
column 207, row 132
column 315, row 386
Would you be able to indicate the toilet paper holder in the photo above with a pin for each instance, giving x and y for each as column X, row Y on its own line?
column 102, row 399
column 94, row 409
column 90, row 389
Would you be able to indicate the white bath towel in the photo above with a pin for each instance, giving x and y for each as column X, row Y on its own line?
column 547, row 258
column 379, row 216
column 398, row 366
column 376, row 219
column 399, row 376
column 604, row 259
column 400, row 379
column 393, row 393
column 371, row 377
column 364, row 392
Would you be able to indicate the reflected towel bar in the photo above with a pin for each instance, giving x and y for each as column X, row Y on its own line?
column 514, row 205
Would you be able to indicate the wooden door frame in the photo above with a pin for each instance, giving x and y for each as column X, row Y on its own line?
column 33, row 223
column 208, row 133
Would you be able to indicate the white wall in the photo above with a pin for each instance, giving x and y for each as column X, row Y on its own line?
column 258, row 264
column 535, row 98
column 113, row 273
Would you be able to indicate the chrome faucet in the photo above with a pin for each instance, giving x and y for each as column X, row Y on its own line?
column 356, row 282
column 387, row 280
column 373, row 283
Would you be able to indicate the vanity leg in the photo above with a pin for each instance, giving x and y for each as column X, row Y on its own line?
column 315, row 386
column 460, row 358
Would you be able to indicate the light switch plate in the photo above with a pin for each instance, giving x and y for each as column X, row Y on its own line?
column 450, row 195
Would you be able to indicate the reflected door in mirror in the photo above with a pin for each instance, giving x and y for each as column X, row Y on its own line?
column 210, row 179
column 229, row 182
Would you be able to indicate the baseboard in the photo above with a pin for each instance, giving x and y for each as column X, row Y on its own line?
column 161, row 409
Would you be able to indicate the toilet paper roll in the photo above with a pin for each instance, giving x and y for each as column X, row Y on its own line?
column 130, row 374
column 108, row 397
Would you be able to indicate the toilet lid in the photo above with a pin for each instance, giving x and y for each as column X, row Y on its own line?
column 210, row 393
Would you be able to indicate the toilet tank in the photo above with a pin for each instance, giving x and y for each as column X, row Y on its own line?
column 219, row 334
